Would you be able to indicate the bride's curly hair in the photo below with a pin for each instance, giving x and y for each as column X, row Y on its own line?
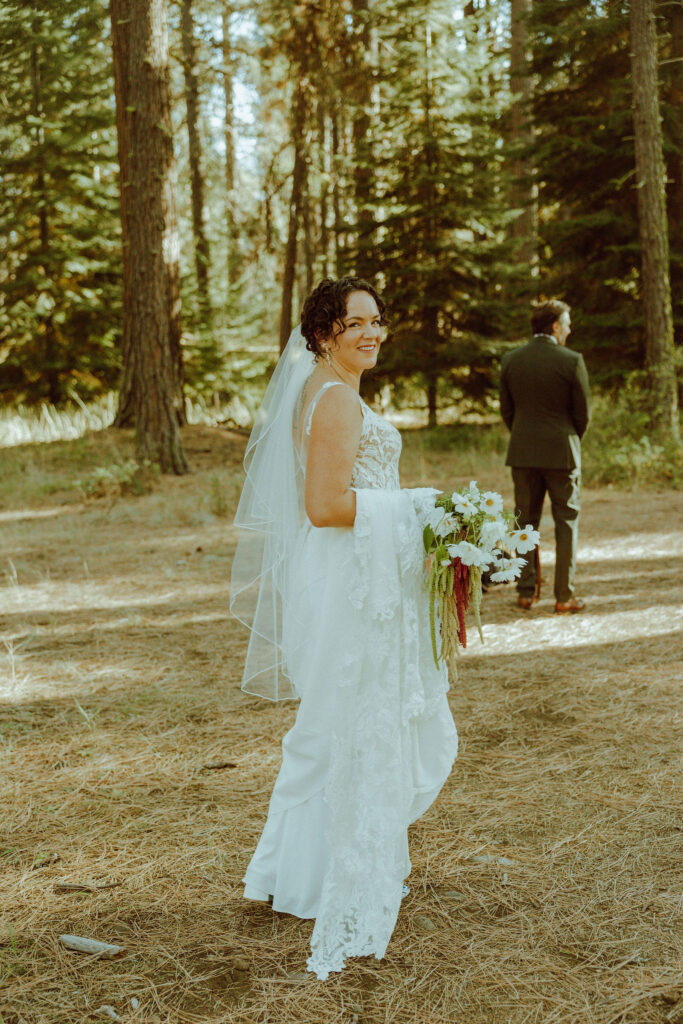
column 325, row 308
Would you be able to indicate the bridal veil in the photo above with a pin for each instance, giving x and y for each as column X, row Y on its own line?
column 269, row 516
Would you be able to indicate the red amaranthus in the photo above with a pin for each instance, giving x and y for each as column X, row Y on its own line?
column 461, row 592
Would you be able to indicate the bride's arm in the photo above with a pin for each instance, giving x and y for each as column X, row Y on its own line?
column 332, row 448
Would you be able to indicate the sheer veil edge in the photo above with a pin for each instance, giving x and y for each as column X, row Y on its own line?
column 268, row 517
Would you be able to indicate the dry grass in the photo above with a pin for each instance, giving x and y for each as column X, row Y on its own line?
column 546, row 882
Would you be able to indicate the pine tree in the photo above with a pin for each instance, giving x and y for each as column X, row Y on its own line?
column 152, row 383
column 298, row 129
column 521, row 135
column 672, row 115
column 60, row 269
column 228, row 70
column 588, row 220
column 293, row 33
column 202, row 256
column 655, row 288
column 442, row 205
column 362, row 71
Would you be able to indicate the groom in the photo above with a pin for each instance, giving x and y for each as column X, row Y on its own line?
column 545, row 403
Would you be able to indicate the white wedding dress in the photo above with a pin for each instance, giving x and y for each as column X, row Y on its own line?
column 374, row 739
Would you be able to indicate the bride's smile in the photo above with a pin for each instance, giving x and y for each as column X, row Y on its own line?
column 356, row 347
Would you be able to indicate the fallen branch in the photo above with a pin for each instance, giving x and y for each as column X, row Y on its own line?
column 92, row 946
column 84, row 886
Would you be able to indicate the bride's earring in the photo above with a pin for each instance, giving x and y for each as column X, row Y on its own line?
column 326, row 354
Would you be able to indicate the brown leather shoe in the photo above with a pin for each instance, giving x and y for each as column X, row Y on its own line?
column 525, row 602
column 571, row 606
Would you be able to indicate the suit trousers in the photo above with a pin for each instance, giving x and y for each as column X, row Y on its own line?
column 563, row 487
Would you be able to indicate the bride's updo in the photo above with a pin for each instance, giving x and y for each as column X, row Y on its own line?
column 325, row 308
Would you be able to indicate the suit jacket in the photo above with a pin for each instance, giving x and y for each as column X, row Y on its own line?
column 545, row 402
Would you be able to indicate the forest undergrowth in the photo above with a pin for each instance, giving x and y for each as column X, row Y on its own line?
column 619, row 449
column 135, row 775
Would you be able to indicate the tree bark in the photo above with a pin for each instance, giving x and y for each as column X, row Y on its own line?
column 654, row 244
column 229, row 135
column 151, row 299
column 202, row 257
column 336, row 190
column 298, row 183
column 307, row 228
column 125, row 413
column 363, row 177
column 523, row 193
column 324, row 161
column 432, row 419
column 675, row 159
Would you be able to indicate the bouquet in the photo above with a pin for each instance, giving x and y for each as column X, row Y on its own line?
column 467, row 533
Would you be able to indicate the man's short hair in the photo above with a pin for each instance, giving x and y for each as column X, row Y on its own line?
column 545, row 314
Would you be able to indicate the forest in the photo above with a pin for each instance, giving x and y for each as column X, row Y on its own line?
column 175, row 177
column 467, row 158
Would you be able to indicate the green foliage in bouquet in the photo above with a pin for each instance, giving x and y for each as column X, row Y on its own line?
column 466, row 533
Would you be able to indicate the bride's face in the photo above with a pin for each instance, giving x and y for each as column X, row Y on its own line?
column 356, row 348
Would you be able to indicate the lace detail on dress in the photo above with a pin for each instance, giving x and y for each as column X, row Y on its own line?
column 379, row 448
column 386, row 677
column 379, row 452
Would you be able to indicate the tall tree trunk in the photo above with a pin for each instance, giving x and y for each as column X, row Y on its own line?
column 202, row 255
column 125, row 413
column 523, row 196
column 430, row 316
column 306, row 213
column 50, row 366
column 675, row 160
column 432, row 418
column 324, row 162
column 336, row 189
column 652, row 223
column 229, row 135
column 298, row 184
column 363, row 177
column 151, row 299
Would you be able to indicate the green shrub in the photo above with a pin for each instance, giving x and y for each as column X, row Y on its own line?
column 618, row 448
column 219, row 502
column 486, row 438
column 119, row 479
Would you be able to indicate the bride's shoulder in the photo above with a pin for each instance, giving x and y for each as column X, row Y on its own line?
column 333, row 404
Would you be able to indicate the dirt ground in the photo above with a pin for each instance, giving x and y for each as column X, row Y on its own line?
column 547, row 878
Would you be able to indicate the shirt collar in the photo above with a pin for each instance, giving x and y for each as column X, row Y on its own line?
column 548, row 337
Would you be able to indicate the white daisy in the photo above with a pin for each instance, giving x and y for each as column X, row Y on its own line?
column 491, row 502
column 469, row 554
column 447, row 525
column 463, row 505
column 524, row 540
column 434, row 517
column 492, row 531
column 509, row 569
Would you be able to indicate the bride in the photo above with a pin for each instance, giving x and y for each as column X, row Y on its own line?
column 328, row 575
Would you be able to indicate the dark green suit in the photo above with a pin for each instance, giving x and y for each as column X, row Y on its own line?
column 545, row 403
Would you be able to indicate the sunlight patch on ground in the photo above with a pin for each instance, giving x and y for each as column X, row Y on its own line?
column 91, row 596
column 131, row 618
column 644, row 547
column 586, row 629
column 22, row 514
column 657, row 572
column 635, row 546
